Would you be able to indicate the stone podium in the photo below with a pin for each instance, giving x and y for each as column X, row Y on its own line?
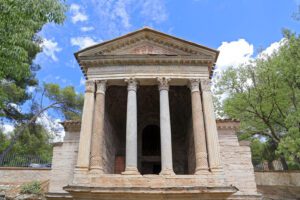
column 148, row 129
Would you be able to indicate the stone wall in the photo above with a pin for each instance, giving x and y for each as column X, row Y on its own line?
column 278, row 185
column 291, row 178
column 236, row 160
column 19, row 175
column 63, row 161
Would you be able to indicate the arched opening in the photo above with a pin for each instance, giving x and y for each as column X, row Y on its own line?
column 151, row 161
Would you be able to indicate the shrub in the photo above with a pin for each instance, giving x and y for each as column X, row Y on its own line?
column 31, row 188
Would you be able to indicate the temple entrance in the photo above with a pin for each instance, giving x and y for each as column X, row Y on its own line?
column 151, row 161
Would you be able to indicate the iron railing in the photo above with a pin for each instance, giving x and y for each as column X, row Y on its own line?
column 31, row 161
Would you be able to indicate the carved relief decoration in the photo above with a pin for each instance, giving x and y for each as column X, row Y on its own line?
column 101, row 86
column 132, row 84
column 147, row 43
column 194, row 85
column 163, row 83
column 89, row 86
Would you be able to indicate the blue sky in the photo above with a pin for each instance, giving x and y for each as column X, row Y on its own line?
column 238, row 28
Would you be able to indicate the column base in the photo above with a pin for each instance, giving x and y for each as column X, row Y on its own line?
column 169, row 172
column 96, row 170
column 216, row 169
column 131, row 171
column 201, row 171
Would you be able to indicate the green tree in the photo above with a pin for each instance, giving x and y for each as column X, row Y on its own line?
column 265, row 96
column 64, row 103
column 33, row 144
column 20, row 21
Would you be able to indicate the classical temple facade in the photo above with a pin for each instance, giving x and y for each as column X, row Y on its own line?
column 148, row 129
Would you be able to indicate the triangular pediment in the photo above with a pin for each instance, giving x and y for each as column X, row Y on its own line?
column 148, row 42
column 147, row 47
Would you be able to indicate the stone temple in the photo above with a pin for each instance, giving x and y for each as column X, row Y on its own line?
column 148, row 129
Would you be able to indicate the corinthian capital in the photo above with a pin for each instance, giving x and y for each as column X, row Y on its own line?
column 89, row 86
column 132, row 84
column 163, row 83
column 194, row 85
column 205, row 84
column 101, row 86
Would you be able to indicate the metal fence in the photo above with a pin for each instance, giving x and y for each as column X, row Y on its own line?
column 31, row 161
column 276, row 166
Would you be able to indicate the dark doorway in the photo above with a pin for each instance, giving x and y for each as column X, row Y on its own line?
column 151, row 163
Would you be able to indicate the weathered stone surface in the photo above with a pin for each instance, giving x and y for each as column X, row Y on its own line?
column 63, row 162
column 135, row 117
column 18, row 175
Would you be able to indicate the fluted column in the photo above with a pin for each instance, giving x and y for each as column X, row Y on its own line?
column 165, row 128
column 211, row 127
column 96, row 164
column 198, row 128
column 86, row 126
column 131, row 129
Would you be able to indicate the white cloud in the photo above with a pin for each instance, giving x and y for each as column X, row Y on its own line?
column 50, row 48
column 87, row 28
column 120, row 11
column 77, row 14
column 52, row 126
column 15, row 106
column 7, row 128
column 82, row 42
column 273, row 48
column 116, row 16
column 234, row 53
column 31, row 89
column 82, row 81
column 154, row 10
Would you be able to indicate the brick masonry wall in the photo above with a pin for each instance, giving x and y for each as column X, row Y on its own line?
column 19, row 175
column 63, row 162
column 237, row 163
column 291, row 178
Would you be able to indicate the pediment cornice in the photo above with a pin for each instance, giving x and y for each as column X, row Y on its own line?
column 147, row 38
column 147, row 43
column 146, row 46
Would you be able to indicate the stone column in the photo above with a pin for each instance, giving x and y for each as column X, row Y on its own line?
column 96, row 164
column 131, row 129
column 86, row 126
column 211, row 127
column 198, row 128
column 165, row 128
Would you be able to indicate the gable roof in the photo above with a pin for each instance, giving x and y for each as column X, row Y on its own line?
column 147, row 30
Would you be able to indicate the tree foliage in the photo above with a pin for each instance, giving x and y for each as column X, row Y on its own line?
column 20, row 21
column 265, row 96
column 64, row 103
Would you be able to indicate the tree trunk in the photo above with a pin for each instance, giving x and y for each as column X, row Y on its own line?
column 21, row 130
column 270, row 166
column 283, row 162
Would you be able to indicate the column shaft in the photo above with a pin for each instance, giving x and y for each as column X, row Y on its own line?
column 86, row 126
column 96, row 164
column 198, row 128
column 165, row 128
column 211, row 127
column 131, row 129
